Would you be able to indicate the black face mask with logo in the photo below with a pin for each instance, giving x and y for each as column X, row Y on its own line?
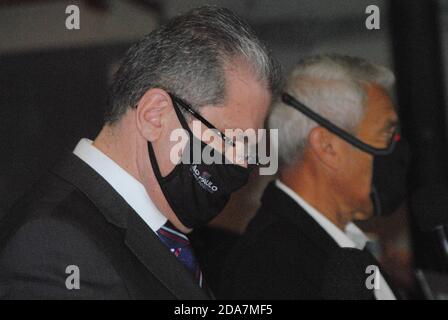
column 198, row 192
column 390, row 164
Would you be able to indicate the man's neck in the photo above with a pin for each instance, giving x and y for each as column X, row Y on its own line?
column 120, row 149
column 315, row 191
column 123, row 150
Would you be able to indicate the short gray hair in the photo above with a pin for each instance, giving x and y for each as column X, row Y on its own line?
column 187, row 57
column 330, row 85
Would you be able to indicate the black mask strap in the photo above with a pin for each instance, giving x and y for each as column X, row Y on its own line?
column 291, row 101
column 154, row 164
column 180, row 115
column 152, row 155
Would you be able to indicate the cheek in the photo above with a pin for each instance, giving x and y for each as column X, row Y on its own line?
column 365, row 168
column 359, row 174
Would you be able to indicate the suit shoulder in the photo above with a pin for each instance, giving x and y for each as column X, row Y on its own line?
column 49, row 228
column 49, row 202
column 273, row 259
column 271, row 242
column 267, row 229
column 51, row 235
column 53, row 219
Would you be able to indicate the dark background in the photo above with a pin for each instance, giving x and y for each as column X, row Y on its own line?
column 49, row 99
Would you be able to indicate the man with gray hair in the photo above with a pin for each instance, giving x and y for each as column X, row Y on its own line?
column 340, row 161
column 110, row 220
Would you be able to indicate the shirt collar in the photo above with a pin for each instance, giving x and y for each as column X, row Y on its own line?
column 129, row 188
column 351, row 237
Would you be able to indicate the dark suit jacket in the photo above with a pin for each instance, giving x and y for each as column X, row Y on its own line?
column 74, row 217
column 283, row 254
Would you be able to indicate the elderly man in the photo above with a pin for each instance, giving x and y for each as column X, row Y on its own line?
column 109, row 221
column 335, row 118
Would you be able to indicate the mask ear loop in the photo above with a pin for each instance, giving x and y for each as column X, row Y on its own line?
column 376, row 201
column 176, row 102
column 179, row 114
column 291, row 101
column 154, row 164
column 195, row 114
column 152, row 155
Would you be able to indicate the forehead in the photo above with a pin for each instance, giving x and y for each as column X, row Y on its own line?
column 246, row 104
column 379, row 110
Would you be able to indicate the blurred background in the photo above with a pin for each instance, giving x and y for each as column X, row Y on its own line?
column 53, row 87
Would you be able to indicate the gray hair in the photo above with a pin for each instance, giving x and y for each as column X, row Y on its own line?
column 330, row 85
column 187, row 57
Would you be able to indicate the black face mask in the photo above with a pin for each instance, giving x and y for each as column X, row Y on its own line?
column 389, row 179
column 390, row 165
column 198, row 192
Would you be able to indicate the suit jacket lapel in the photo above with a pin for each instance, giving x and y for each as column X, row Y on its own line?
column 162, row 263
column 391, row 284
column 286, row 207
column 141, row 240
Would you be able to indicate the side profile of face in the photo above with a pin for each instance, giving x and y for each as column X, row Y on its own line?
column 245, row 107
column 355, row 169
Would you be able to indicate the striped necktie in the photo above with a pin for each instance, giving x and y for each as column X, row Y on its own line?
column 180, row 246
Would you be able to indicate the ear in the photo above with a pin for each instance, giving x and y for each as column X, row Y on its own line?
column 152, row 110
column 325, row 147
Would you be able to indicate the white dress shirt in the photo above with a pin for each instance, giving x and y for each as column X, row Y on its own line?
column 351, row 237
column 129, row 188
